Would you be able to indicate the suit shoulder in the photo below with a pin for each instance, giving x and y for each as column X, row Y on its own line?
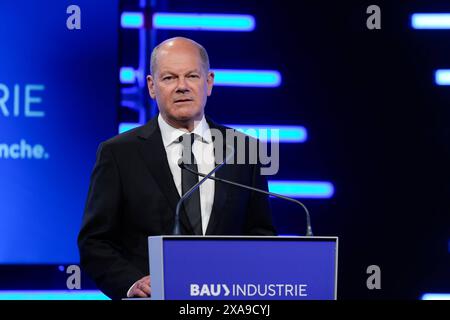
column 124, row 139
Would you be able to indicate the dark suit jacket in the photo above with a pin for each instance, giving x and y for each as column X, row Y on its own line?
column 132, row 195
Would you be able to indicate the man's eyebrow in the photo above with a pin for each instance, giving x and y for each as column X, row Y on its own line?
column 167, row 72
column 193, row 71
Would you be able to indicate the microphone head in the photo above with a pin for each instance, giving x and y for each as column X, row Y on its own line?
column 181, row 163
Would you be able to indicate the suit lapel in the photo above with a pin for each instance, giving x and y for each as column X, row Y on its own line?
column 220, row 188
column 155, row 157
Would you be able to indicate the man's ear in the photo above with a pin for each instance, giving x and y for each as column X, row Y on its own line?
column 151, row 86
column 210, row 82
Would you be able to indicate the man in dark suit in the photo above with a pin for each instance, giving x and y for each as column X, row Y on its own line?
column 136, row 182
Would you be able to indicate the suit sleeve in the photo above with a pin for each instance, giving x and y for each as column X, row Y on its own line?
column 99, row 239
column 259, row 214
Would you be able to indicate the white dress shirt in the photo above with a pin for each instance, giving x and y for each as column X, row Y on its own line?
column 203, row 149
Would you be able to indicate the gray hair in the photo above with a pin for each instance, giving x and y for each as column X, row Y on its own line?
column 202, row 51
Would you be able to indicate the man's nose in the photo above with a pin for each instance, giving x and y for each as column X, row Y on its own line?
column 182, row 85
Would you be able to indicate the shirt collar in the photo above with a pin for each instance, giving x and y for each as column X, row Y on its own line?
column 170, row 134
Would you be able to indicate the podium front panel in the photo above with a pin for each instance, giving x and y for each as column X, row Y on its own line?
column 244, row 268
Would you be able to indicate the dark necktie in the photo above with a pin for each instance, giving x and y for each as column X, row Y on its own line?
column 191, row 204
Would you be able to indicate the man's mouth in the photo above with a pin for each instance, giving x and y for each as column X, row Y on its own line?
column 182, row 100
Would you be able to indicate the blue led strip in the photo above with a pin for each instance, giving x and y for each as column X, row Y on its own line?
column 203, row 22
column 442, row 77
column 247, row 78
column 435, row 296
column 302, row 189
column 226, row 77
column 52, row 295
column 127, row 75
column 286, row 134
column 126, row 126
column 430, row 21
column 132, row 20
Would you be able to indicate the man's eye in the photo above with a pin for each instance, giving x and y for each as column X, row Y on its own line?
column 168, row 78
column 193, row 76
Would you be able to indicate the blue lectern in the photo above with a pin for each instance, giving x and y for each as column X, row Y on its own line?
column 243, row 268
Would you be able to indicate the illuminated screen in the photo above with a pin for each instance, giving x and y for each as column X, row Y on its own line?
column 58, row 90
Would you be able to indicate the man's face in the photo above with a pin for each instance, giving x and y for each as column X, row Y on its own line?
column 180, row 84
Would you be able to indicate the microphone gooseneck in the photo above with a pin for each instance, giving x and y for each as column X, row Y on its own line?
column 309, row 232
column 176, row 228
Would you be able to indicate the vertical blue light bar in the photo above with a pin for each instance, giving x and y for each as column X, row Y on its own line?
column 247, row 78
column 203, row 22
column 286, row 134
column 127, row 75
column 430, row 21
column 435, row 296
column 442, row 77
column 302, row 189
column 133, row 20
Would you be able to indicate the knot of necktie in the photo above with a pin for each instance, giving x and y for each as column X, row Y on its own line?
column 187, row 140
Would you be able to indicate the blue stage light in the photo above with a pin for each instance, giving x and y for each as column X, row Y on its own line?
column 430, row 21
column 203, row 22
column 247, row 78
column 435, row 296
column 132, row 20
column 286, row 134
column 223, row 77
column 127, row 75
column 442, row 77
column 302, row 189
column 126, row 126
column 52, row 295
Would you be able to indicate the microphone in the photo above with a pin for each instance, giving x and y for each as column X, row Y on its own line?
column 309, row 232
column 176, row 227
